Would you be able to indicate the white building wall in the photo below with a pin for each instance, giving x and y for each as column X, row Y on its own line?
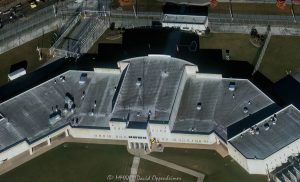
column 237, row 156
column 188, row 27
column 14, row 151
column 262, row 166
column 91, row 133
column 162, row 133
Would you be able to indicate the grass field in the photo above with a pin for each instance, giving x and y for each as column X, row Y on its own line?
column 150, row 170
column 74, row 163
column 209, row 162
column 238, row 44
column 254, row 8
column 25, row 52
column 282, row 54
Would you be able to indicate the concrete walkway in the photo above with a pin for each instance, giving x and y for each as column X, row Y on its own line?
column 134, row 169
column 199, row 176
column 262, row 52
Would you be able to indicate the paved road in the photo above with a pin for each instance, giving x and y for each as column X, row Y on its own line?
column 199, row 176
column 134, row 169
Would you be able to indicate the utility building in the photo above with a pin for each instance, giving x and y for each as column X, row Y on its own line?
column 185, row 17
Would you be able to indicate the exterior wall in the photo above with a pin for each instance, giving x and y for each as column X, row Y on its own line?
column 118, row 130
column 237, row 156
column 14, row 151
column 58, row 132
column 162, row 133
column 137, row 136
column 189, row 27
column 91, row 133
column 262, row 166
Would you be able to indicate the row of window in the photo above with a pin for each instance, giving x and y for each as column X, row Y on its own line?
column 137, row 137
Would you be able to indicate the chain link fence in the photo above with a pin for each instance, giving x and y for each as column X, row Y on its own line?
column 35, row 25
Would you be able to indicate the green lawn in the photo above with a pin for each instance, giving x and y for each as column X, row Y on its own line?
column 209, row 162
column 74, row 163
column 26, row 52
column 149, row 170
column 238, row 44
column 282, row 54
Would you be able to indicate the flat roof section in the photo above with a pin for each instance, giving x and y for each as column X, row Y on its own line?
column 219, row 107
column 149, row 89
column 28, row 114
column 270, row 137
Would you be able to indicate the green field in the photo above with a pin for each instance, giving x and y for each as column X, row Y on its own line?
column 152, row 171
column 238, row 44
column 282, row 55
column 25, row 52
column 74, row 163
column 209, row 162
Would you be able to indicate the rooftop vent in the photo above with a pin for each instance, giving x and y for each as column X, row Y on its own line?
column 164, row 74
column 95, row 103
column 267, row 126
column 257, row 131
column 199, row 106
column 138, row 114
column 246, row 110
column 139, row 82
column 83, row 78
column 91, row 113
column 252, row 131
column 62, row 78
column 54, row 118
column 232, row 86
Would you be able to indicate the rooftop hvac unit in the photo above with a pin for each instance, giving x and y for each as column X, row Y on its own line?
column 257, row 131
column 199, row 106
column 54, row 118
column 139, row 82
column 246, row 110
column 83, row 78
column 232, row 86
column 267, row 126
column 164, row 74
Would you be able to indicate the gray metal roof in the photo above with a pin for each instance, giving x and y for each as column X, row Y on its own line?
column 218, row 107
column 156, row 91
column 285, row 131
column 28, row 113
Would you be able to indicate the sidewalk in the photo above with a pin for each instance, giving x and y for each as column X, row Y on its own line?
column 198, row 175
